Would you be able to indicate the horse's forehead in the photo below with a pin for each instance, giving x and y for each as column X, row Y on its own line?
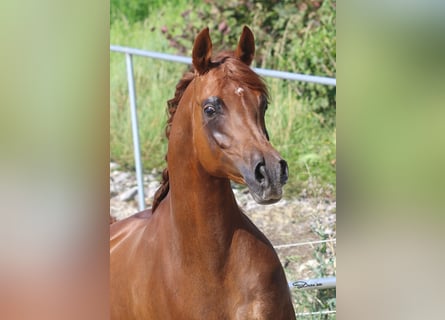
column 241, row 91
column 218, row 83
column 228, row 89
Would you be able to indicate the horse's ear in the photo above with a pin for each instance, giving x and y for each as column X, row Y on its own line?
column 202, row 51
column 246, row 47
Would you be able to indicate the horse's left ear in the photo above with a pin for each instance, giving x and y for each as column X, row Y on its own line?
column 202, row 51
column 246, row 47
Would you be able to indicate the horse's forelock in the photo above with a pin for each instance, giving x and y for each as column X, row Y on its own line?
column 238, row 71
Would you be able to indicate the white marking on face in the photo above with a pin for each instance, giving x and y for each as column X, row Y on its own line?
column 239, row 91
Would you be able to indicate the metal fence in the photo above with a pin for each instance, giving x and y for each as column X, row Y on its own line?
column 319, row 283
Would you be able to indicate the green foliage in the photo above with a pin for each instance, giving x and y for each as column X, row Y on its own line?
column 308, row 146
column 132, row 10
column 296, row 36
column 138, row 10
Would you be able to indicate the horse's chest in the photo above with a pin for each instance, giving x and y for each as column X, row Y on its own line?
column 208, row 301
column 235, row 295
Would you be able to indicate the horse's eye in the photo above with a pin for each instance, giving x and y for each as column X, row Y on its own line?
column 209, row 110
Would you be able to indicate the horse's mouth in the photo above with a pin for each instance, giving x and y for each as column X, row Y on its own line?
column 259, row 193
column 265, row 185
column 265, row 196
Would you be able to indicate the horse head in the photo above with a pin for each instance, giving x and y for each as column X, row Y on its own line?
column 229, row 105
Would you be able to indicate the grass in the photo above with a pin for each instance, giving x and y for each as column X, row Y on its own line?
column 307, row 145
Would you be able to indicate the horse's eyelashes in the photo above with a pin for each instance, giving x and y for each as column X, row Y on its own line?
column 209, row 110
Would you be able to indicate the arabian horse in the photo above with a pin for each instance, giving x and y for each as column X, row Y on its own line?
column 195, row 254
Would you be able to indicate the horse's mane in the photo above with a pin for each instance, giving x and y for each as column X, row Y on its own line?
column 235, row 70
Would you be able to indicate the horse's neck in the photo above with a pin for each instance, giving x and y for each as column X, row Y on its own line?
column 203, row 210
column 195, row 195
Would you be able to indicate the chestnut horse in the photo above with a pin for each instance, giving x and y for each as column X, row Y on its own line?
column 196, row 255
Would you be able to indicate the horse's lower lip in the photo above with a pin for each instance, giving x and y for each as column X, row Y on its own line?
column 268, row 201
column 262, row 196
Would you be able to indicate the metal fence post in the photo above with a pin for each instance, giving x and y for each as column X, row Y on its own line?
column 135, row 131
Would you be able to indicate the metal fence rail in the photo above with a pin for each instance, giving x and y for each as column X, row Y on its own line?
column 260, row 71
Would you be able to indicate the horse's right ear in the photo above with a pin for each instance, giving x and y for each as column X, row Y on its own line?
column 202, row 51
column 246, row 46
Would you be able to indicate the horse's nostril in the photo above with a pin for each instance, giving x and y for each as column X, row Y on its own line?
column 260, row 172
column 284, row 171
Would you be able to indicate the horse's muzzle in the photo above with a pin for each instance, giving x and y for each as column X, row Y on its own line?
column 267, row 178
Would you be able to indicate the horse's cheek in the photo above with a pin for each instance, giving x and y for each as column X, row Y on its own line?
column 222, row 140
column 206, row 150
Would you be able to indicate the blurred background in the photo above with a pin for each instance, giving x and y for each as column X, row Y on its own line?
column 57, row 87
